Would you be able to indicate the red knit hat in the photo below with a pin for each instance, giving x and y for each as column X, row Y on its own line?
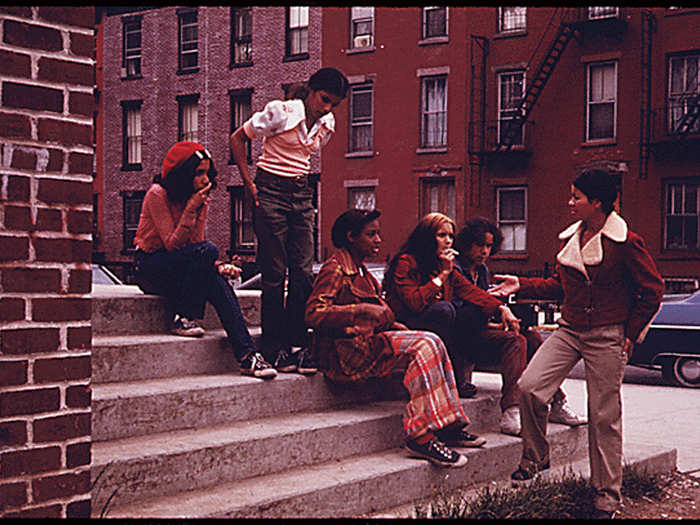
column 179, row 153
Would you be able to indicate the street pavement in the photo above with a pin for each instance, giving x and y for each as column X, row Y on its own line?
column 653, row 413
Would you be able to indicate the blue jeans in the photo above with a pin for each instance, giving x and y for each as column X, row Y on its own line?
column 283, row 224
column 188, row 279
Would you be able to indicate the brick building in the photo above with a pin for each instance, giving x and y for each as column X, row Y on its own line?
column 435, row 91
column 46, row 154
column 188, row 73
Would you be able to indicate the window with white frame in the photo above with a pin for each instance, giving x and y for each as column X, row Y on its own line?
column 361, row 27
column 242, row 234
column 131, row 47
column 511, row 90
column 188, row 40
column 602, row 101
column 361, row 96
column 683, row 89
column 434, row 22
column 131, row 135
column 362, row 197
column 241, row 35
column 188, row 118
column 241, row 110
column 438, row 195
column 297, row 31
column 131, row 208
column 512, row 19
column 433, row 132
column 511, row 210
column 682, row 215
column 595, row 13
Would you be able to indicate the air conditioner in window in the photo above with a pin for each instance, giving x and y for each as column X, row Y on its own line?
column 362, row 41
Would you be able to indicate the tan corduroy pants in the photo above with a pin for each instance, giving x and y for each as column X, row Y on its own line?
column 601, row 350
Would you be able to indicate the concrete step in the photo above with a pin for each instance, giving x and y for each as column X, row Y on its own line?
column 636, row 455
column 347, row 487
column 125, row 310
column 138, row 357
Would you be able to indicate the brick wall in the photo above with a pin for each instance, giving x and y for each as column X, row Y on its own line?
column 46, row 149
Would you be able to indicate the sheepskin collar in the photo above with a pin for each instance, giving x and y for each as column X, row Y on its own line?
column 615, row 229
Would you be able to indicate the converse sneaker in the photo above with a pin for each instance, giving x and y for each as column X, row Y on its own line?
column 561, row 412
column 255, row 365
column 436, row 452
column 186, row 328
column 306, row 363
column 510, row 421
column 286, row 361
column 459, row 437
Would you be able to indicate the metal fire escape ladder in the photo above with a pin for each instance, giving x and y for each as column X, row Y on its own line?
column 648, row 26
column 544, row 71
column 478, row 49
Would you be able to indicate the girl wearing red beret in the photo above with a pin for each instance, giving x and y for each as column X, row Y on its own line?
column 173, row 258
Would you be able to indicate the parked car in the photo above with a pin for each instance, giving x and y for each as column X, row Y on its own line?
column 255, row 282
column 673, row 341
column 102, row 275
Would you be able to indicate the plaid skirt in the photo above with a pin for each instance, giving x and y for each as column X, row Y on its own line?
column 428, row 376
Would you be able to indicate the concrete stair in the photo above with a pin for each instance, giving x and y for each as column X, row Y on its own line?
column 178, row 432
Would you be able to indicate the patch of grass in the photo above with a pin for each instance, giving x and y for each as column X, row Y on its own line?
column 566, row 497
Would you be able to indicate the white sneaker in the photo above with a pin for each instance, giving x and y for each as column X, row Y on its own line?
column 510, row 421
column 561, row 412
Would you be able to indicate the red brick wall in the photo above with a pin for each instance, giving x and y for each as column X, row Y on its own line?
column 46, row 150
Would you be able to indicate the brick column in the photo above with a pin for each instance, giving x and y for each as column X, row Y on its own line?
column 46, row 150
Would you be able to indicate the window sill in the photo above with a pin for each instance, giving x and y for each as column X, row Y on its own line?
column 682, row 11
column 358, row 50
column 670, row 254
column 598, row 143
column 359, row 154
column 132, row 167
column 236, row 65
column 434, row 40
column 509, row 34
column 295, row 58
column 516, row 256
column 132, row 77
column 188, row 71
column 425, row 151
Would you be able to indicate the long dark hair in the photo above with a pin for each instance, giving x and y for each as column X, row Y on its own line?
column 179, row 183
column 422, row 245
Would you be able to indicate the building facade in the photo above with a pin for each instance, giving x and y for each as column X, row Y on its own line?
column 492, row 111
column 193, row 73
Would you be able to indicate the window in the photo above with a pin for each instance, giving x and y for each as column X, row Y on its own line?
column 131, row 48
column 511, row 208
column 438, row 195
column 595, row 13
column 362, row 198
column 241, row 35
column 362, row 27
column 434, row 22
column 434, row 112
column 682, row 215
column 297, row 31
column 602, row 95
column 511, row 90
column 361, row 118
column 512, row 19
column 132, row 201
column 242, row 234
column 188, row 41
column 188, row 117
column 131, row 135
column 683, row 89
column 241, row 110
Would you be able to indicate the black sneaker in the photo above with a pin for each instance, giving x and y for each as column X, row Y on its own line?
column 255, row 365
column 466, row 390
column 598, row 514
column 524, row 474
column 186, row 328
column 436, row 452
column 306, row 363
column 459, row 437
column 286, row 361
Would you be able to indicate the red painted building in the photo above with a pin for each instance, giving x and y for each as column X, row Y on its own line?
column 435, row 92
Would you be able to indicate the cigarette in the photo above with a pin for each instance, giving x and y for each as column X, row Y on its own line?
column 452, row 251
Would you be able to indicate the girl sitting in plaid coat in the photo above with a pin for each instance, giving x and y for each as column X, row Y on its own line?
column 357, row 338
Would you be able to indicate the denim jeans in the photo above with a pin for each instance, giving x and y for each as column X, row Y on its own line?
column 188, row 279
column 283, row 223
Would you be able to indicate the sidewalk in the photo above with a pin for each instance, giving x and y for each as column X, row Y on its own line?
column 663, row 416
